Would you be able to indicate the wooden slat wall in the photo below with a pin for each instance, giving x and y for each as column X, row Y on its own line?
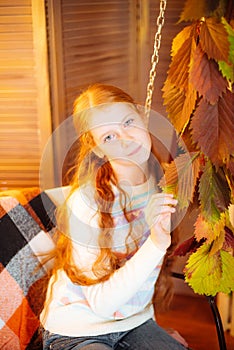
column 22, row 106
column 97, row 45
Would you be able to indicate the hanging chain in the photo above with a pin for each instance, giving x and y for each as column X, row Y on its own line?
column 155, row 57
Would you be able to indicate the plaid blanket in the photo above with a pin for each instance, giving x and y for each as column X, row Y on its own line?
column 26, row 229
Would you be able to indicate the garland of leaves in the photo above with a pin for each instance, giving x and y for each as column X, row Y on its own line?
column 198, row 95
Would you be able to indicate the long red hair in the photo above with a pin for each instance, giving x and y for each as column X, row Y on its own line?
column 90, row 168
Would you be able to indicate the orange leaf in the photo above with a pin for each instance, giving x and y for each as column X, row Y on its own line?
column 178, row 105
column 182, row 36
column 213, row 128
column 212, row 232
column 203, row 229
column 179, row 68
column 214, row 40
column 174, row 101
column 181, row 177
column 206, row 78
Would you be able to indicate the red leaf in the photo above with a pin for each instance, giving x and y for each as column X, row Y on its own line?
column 229, row 237
column 213, row 128
column 188, row 246
column 206, row 78
column 214, row 40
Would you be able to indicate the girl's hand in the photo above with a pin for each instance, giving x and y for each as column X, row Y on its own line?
column 158, row 216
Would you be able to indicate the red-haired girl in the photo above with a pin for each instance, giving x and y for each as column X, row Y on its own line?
column 114, row 231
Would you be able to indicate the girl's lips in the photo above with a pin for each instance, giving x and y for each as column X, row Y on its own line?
column 134, row 151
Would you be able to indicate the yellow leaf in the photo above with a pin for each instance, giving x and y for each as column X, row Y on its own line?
column 218, row 243
column 183, row 35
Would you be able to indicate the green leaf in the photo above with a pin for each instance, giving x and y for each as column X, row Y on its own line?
column 206, row 78
column 181, row 177
column 227, row 280
column 209, row 274
column 204, row 272
column 214, row 193
column 226, row 68
column 214, row 40
column 212, row 127
column 230, row 32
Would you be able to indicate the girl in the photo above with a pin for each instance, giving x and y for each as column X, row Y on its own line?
column 114, row 230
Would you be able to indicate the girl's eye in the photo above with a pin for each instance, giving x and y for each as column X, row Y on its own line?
column 128, row 122
column 109, row 138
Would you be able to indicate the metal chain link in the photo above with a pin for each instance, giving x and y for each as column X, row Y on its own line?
column 155, row 57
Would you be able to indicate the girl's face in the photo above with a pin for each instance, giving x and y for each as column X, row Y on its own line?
column 120, row 134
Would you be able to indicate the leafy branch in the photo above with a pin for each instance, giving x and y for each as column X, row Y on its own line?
column 199, row 99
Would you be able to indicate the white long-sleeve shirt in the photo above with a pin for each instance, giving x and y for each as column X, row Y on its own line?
column 124, row 300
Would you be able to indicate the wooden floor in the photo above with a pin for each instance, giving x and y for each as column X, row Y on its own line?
column 192, row 317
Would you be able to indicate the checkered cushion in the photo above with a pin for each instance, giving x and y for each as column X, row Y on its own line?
column 26, row 229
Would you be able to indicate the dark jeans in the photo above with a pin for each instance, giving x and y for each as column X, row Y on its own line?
column 148, row 336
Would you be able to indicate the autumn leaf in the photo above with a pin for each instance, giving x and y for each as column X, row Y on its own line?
column 204, row 272
column 185, row 141
column 209, row 230
column 202, row 228
column 181, row 176
column 214, row 193
column 212, row 127
column 230, row 165
column 218, row 243
column 214, row 40
column 230, row 32
column 174, row 101
column 206, row 78
column 209, row 274
column 179, row 68
column 228, row 69
column 183, row 35
column 195, row 9
column 229, row 238
column 188, row 246
column 227, row 280
column 179, row 106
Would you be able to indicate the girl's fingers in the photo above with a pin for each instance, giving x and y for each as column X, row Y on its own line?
column 162, row 199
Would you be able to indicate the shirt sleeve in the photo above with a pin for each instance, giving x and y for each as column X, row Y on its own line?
column 107, row 297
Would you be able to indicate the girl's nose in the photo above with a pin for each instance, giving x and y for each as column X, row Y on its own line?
column 126, row 142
